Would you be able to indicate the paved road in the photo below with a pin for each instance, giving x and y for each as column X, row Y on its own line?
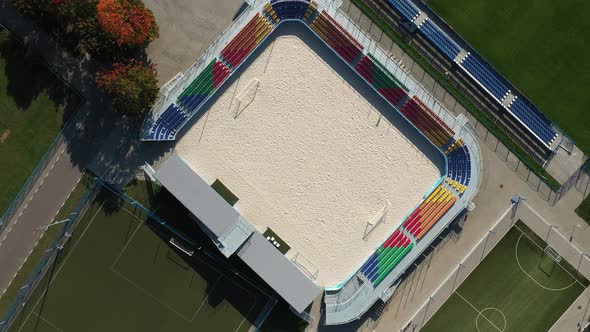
column 76, row 149
column 96, row 138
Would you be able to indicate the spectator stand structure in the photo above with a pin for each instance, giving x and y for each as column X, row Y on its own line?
column 514, row 103
column 378, row 277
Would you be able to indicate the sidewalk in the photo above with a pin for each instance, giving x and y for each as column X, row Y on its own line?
column 81, row 140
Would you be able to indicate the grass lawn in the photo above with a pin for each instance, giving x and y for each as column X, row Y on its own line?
column 583, row 210
column 34, row 104
column 539, row 45
column 117, row 274
column 515, row 288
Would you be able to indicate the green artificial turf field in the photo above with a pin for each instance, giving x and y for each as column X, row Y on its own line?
column 33, row 102
column 117, row 273
column 515, row 288
column 539, row 45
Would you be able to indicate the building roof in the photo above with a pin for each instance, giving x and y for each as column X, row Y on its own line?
column 279, row 272
column 196, row 195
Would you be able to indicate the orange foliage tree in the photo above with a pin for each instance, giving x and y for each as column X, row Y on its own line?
column 129, row 22
column 132, row 85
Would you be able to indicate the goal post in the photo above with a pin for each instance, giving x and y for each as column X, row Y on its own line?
column 549, row 257
column 379, row 218
column 181, row 247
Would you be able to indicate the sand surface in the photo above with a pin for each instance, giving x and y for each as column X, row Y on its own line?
column 309, row 157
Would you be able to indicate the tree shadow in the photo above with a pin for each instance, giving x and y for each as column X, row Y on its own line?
column 28, row 77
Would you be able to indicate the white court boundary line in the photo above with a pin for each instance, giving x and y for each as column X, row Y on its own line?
column 220, row 274
column 482, row 315
column 573, row 277
column 531, row 277
column 59, row 269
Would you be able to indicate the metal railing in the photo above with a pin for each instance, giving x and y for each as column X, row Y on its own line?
column 45, row 265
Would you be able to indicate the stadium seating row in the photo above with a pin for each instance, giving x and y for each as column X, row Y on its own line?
column 459, row 172
column 480, row 71
column 533, row 120
column 165, row 126
column 168, row 123
column 289, row 9
column 387, row 257
column 376, row 74
column 202, row 86
column 485, row 76
column 430, row 211
column 406, row 8
column 246, row 40
column 427, row 121
column 440, row 39
column 337, row 37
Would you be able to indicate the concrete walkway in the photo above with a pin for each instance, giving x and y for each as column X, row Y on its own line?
column 81, row 140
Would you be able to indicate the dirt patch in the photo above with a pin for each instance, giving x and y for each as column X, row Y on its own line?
column 4, row 136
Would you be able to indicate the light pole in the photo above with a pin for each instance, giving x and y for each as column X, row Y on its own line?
column 580, row 262
column 573, row 231
column 549, row 232
column 485, row 244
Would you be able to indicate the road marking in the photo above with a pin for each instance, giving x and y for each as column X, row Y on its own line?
column 62, row 265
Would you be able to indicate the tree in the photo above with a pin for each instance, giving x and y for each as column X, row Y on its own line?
column 129, row 22
column 132, row 85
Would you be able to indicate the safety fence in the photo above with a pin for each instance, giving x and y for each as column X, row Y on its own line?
column 40, row 279
column 24, row 193
column 47, row 263
column 506, row 151
column 576, row 262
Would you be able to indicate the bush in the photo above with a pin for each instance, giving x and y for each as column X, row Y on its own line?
column 105, row 29
column 132, row 85
column 128, row 22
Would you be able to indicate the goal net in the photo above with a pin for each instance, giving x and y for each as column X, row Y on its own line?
column 378, row 219
column 549, row 257
column 181, row 247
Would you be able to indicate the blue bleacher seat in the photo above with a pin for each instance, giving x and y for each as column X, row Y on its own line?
column 485, row 76
column 437, row 37
column 533, row 120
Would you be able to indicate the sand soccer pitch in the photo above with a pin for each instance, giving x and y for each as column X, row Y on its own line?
column 116, row 273
column 517, row 287
column 312, row 153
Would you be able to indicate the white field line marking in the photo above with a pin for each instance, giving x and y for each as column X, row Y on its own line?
column 33, row 195
column 479, row 312
column 48, row 322
column 40, row 237
column 542, row 249
column 126, row 244
column 62, row 265
column 246, row 315
column 531, row 277
column 145, row 292
column 491, row 308
column 206, row 298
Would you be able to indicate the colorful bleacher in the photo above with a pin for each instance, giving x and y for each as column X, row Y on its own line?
column 203, row 86
column 376, row 74
column 387, row 257
column 246, row 40
column 459, row 173
column 337, row 37
column 430, row 211
column 533, row 120
column 428, row 122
